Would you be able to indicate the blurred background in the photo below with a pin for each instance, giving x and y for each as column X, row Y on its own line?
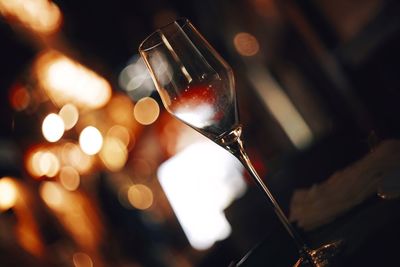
column 94, row 172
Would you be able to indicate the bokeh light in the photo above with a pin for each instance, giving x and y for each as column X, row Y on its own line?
column 122, row 134
column 32, row 163
column 202, row 169
column 66, row 81
column 146, row 111
column 19, row 98
column 114, row 153
column 120, row 110
column 90, row 140
column 52, row 194
column 49, row 164
column 72, row 155
column 8, row 193
column 69, row 178
column 42, row 16
column 42, row 162
column 246, row 44
column 135, row 79
column 81, row 259
column 53, row 127
column 70, row 115
column 140, row 196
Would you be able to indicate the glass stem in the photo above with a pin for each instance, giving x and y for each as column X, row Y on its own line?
column 232, row 142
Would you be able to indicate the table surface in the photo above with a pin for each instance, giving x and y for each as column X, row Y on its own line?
column 370, row 234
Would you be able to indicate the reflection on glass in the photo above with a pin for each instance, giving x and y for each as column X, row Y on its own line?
column 197, row 86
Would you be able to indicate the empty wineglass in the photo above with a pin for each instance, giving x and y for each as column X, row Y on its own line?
column 196, row 86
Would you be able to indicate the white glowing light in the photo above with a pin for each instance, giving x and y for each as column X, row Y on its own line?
column 136, row 80
column 200, row 182
column 53, row 127
column 90, row 140
column 199, row 116
column 8, row 193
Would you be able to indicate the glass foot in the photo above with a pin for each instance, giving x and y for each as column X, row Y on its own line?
column 321, row 257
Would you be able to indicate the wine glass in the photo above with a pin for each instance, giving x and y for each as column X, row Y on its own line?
column 196, row 86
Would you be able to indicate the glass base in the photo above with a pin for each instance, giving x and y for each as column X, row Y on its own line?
column 321, row 257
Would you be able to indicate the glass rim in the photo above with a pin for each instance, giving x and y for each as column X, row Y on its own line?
column 182, row 22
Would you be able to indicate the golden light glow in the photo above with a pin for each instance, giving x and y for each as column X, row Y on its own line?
column 121, row 133
column 146, row 111
column 32, row 163
column 49, row 164
column 69, row 114
column 114, row 154
column 120, row 110
column 53, row 127
column 90, row 140
column 42, row 162
column 246, row 44
column 8, row 193
column 140, row 196
column 69, row 178
column 81, row 259
column 67, row 81
column 19, row 98
column 72, row 155
column 42, row 16
column 28, row 236
column 75, row 212
column 52, row 194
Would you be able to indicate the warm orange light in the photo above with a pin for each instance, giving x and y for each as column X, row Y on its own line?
column 81, row 259
column 32, row 163
column 67, row 81
column 42, row 162
column 90, row 140
column 69, row 114
column 120, row 110
column 53, row 127
column 72, row 155
column 8, row 193
column 140, row 196
column 246, row 44
column 121, row 133
column 49, row 164
column 52, row 194
column 113, row 154
column 69, row 178
column 41, row 16
column 19, row 98
column 28, row 236
column 146, row 111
